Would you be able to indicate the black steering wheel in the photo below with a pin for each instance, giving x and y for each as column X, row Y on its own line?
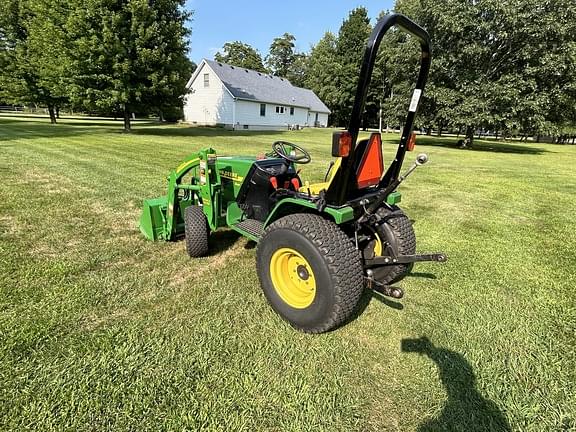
column 291, row 152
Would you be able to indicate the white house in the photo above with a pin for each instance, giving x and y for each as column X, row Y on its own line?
column 238, row 98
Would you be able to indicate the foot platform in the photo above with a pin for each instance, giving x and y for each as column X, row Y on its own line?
column 251, row 227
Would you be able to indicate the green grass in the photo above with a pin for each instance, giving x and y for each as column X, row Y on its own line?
column 102, row 330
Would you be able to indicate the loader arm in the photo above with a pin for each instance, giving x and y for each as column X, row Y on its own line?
column 162, row 217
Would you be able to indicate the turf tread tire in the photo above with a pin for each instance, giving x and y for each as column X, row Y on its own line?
column 403, row 231
column 196, row 230
column 339, row 256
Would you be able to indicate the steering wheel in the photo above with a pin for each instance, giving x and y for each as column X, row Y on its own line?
column 291, row 152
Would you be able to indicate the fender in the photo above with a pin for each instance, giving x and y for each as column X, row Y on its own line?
column 340, row 215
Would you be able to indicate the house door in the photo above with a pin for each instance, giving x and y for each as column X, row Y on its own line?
column 316, row 124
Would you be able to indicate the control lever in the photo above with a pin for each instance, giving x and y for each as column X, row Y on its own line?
column 421, row 159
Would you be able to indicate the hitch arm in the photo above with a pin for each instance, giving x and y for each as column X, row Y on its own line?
column 404, row 259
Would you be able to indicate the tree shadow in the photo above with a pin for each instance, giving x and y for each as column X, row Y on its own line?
column 69, row 120
column 483, row 146
column 196, row 131
column 466, row 409
column 29, row 129
column 8, row 120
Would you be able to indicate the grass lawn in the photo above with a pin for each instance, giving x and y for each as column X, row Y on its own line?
column 102, row 330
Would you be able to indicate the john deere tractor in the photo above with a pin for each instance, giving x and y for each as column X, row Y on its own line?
column 319, row 245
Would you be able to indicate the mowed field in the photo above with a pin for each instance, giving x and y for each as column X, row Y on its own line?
column 103, row 330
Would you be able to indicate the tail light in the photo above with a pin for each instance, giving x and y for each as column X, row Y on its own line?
column 411, row 142
column 341, row 144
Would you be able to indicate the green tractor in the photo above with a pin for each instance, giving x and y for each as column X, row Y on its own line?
column 319, row 245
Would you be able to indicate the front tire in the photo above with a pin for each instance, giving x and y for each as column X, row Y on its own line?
column 310, row 272
column 196, row 230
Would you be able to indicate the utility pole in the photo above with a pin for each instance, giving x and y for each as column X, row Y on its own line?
column 382, row 99
column 391, row 96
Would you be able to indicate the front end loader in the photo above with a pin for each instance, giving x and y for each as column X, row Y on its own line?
column 319, row 245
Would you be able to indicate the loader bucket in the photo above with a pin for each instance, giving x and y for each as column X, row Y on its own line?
column 152, row 220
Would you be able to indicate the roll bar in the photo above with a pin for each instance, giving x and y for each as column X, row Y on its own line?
column 338, row 191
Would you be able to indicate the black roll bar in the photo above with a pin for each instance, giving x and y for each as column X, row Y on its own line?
column 338, row 192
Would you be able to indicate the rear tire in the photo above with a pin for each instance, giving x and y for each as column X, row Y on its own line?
column 398, row 235
column 310, row 272
column 196, row 230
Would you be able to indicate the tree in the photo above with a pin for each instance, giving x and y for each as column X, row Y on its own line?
column 282, row 55
column 334, row 65
column 11, row 33
column 298, row 70
column 242, row 55
column 283, row 60
column 394, row 76
column 34, row 53
column 352, row 38
column 128, row 56
column 323, row 67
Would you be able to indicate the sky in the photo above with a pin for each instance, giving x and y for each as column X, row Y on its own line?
column 258, row 22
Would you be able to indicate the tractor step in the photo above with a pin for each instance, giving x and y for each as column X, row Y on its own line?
column 250, row 227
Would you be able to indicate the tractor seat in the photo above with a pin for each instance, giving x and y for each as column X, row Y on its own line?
column 315, row 188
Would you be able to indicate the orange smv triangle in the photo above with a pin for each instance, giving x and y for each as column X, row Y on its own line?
column 371, row 167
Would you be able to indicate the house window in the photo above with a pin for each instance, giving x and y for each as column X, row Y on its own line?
column 206, row 80
column 279, row 110
column 291, row 110
column 262, row 110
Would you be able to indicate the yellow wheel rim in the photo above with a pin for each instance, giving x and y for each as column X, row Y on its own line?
column 293, row 278
column 378, row 248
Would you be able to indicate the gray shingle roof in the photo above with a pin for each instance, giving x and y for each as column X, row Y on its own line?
column 247, row 84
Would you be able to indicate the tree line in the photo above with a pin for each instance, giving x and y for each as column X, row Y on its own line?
column 504, row 67
column 282, row 59
column 95, row 55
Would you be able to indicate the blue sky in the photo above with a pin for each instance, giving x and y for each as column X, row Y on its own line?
column 257, row 22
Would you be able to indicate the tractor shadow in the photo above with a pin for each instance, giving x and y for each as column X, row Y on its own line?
column 221, row 241
column 367, row 295
column 465, row 409
column 388, row 301
column 422, row 275
column 373, row 294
